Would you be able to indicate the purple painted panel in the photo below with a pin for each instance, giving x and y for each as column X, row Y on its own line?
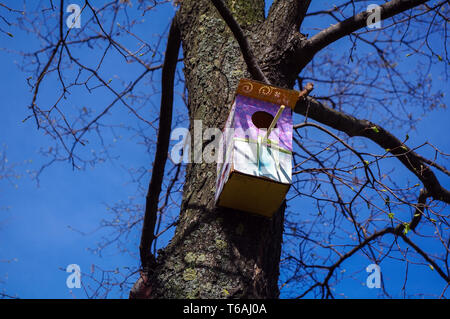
column 247, row 106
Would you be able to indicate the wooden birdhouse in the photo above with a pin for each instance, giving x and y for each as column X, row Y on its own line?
column 255, row 170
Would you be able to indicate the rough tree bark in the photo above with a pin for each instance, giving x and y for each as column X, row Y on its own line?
column 223, row 253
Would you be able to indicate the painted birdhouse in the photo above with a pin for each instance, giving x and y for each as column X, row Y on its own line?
column 254, row 172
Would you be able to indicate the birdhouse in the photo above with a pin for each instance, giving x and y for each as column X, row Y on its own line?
column 254, row 172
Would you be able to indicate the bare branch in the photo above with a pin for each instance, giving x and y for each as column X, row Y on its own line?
column 284, row 14
column 247, row 53
column 356, row 127
column 162, row 146
column 350, row 25
column 426, row 257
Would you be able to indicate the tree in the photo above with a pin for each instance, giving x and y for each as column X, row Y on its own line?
column 222, row 253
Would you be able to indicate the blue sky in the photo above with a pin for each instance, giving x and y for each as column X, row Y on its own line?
column 36, row 235
column 36, row 228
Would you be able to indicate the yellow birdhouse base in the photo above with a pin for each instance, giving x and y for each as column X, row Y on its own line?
column 248, row 193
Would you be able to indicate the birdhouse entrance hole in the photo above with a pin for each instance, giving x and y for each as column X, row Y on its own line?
column 262, row 120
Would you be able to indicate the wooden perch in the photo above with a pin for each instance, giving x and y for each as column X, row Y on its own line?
column 274, row 122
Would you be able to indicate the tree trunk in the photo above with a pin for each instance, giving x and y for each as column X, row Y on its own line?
column 215, row 252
